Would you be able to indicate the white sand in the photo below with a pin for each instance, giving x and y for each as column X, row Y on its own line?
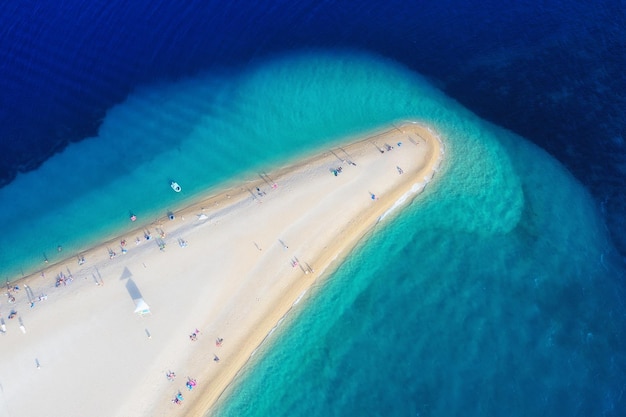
column 234, row 280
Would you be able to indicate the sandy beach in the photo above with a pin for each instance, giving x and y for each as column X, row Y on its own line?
column 215, row 279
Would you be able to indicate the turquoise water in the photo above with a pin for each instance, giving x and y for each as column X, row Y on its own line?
column 496, row 293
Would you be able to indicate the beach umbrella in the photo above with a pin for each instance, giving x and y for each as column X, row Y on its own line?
column 141, row 307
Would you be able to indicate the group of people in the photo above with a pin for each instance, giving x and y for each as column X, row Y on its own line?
column 190, row 384
column 194, row 336
column 337, row 171
column 63, row 279
column 178, row 399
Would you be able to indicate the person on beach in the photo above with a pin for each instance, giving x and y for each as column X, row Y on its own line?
column 218, row 342
column 178, row 399
column 190, row 383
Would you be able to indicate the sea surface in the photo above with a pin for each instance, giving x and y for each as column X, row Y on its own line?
column 499, row 291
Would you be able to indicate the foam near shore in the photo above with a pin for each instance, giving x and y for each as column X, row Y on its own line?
column 228, row 267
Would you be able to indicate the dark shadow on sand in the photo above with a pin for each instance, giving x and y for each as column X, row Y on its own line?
column 126, row 274
column 132, row 289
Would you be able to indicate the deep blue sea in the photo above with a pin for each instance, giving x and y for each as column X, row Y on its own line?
column 500, row 291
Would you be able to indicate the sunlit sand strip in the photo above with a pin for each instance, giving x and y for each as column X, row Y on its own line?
column 230, row 268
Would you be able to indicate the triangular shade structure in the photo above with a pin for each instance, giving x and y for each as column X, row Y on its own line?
column 141, row 307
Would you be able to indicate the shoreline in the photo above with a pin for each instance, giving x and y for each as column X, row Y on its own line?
column 243, row 311
column 214, row 196
column 209, row 400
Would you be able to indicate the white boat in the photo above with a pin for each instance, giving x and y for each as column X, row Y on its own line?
column 175, row 186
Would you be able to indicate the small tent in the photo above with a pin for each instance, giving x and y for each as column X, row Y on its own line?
column 141, row 307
